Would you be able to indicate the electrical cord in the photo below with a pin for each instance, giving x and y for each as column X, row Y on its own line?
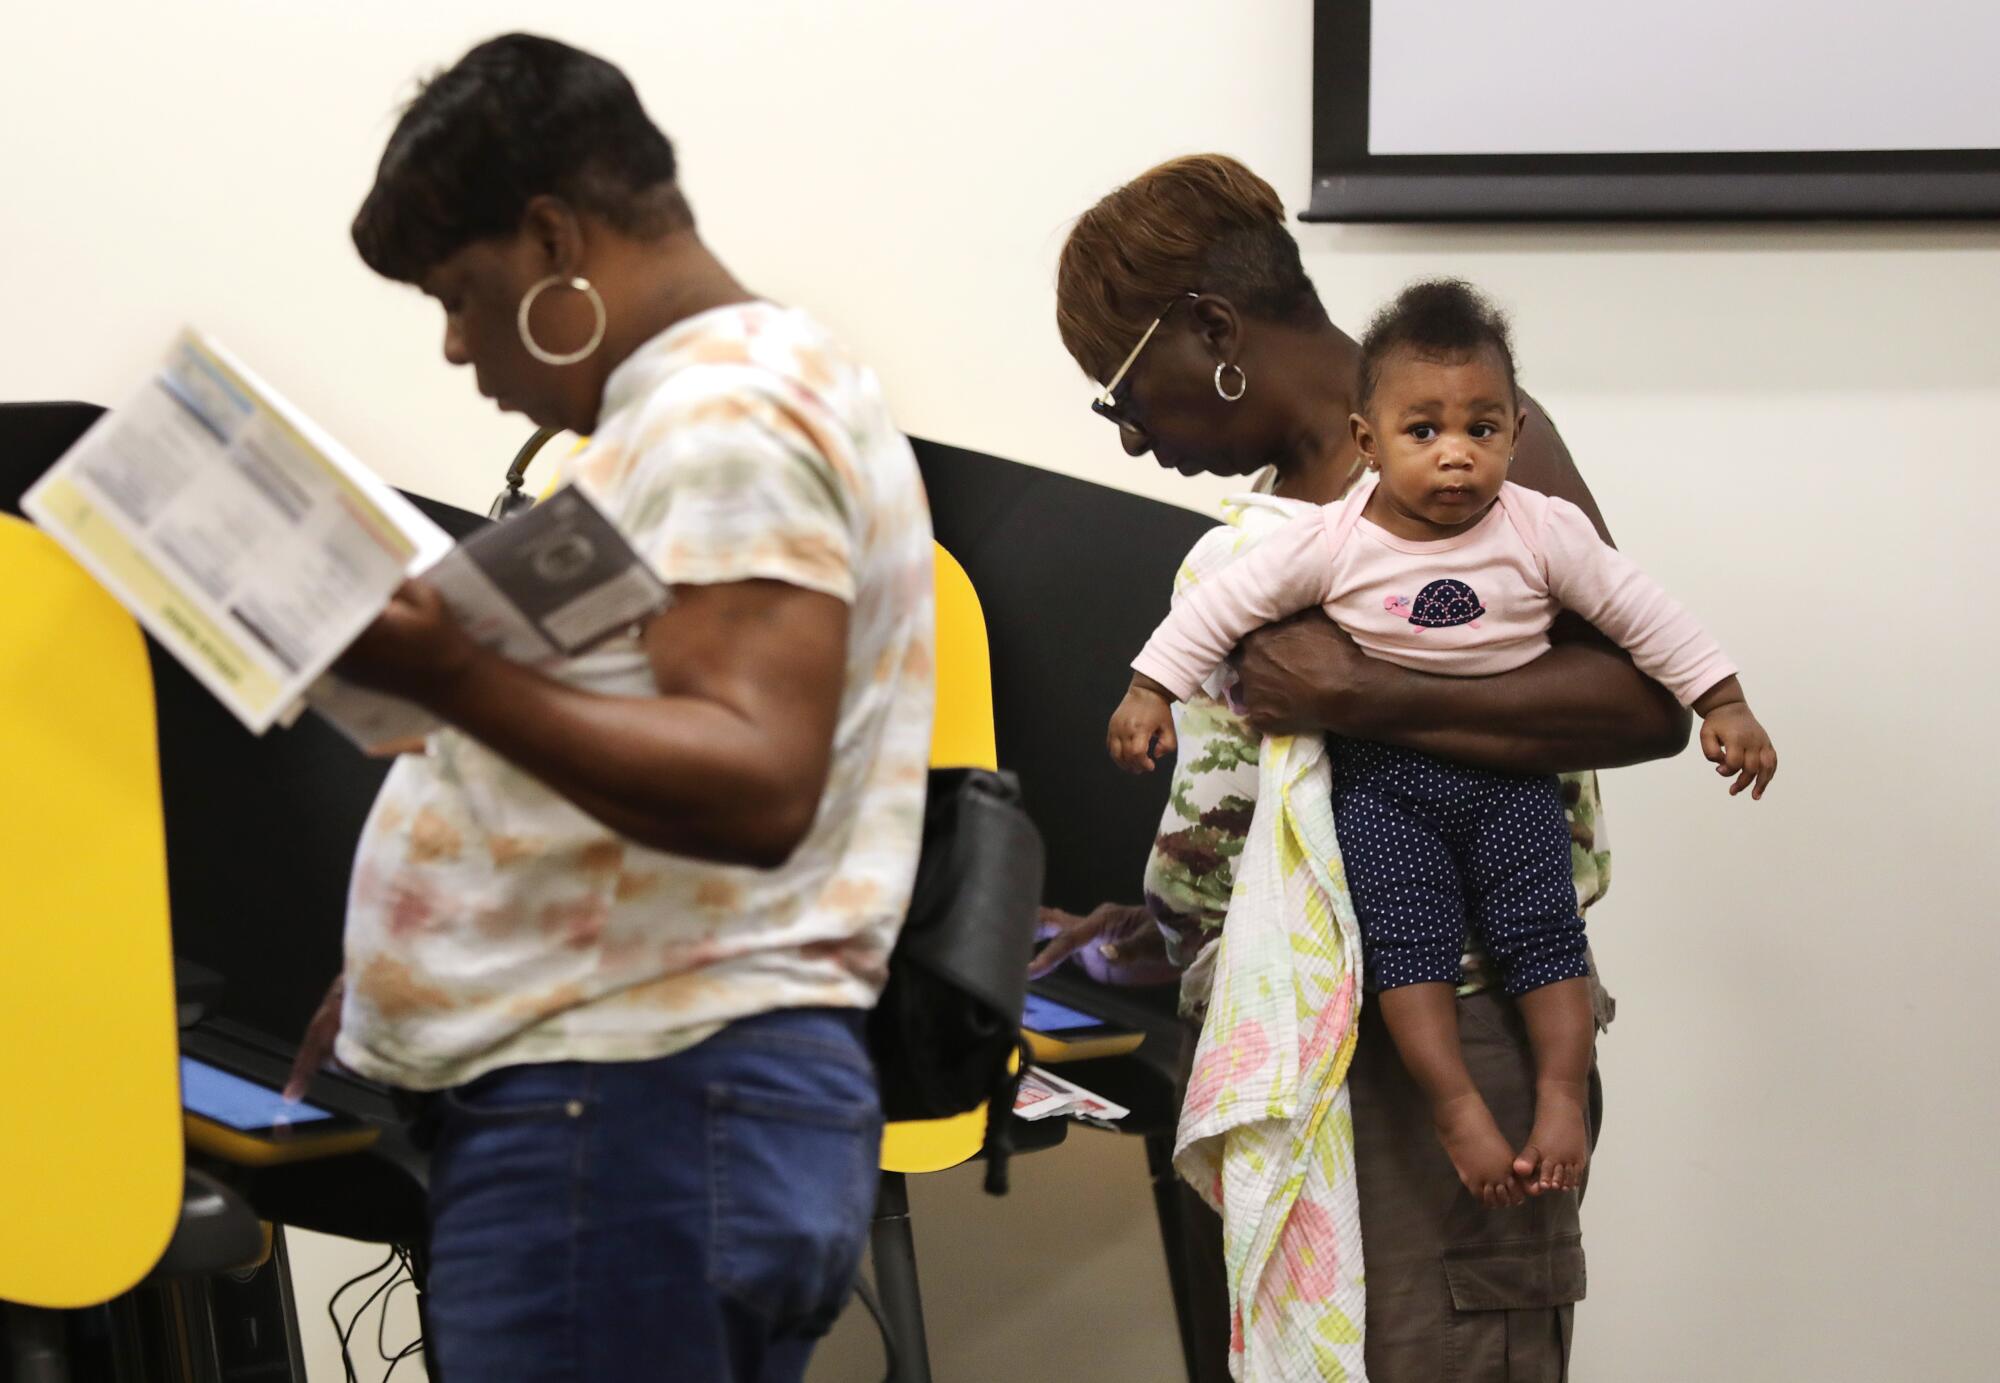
column 333, row 1308
column 382, row 1316
column 866, row 1291
column 380, row 1298
column 415, row 1346
column 355, row 1323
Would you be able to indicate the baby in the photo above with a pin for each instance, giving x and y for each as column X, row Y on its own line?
column 1436, row 562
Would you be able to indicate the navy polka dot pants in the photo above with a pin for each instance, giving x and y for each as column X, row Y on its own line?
column 1431, row 845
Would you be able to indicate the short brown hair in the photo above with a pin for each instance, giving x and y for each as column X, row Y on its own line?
column 1200, row 223
column 517, row 117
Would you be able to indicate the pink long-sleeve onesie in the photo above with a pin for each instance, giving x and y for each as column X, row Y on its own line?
column 1476, row 603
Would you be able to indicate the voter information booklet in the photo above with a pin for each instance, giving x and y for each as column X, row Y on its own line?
column 551, row 582
column 256, row 549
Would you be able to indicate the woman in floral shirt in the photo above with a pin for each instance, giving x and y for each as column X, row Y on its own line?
column 617, row 930
column 1182, row 295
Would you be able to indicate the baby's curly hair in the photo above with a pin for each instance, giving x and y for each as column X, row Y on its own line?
column 1436, row 319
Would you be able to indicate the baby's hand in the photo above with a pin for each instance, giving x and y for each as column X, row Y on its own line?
column 1142, row 728
column 1734, row 742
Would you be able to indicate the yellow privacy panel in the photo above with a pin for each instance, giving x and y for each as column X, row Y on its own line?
column 90, row 1148
column 962, row 732
column 961, row 737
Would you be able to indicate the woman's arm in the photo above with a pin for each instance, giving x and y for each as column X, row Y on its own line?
column 1580, row 705
column 1542, row 462
column 727, row 764
column 1122, row 932
column 1190, row 870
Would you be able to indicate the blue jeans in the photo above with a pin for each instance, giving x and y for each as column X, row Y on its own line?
column 697, row 1217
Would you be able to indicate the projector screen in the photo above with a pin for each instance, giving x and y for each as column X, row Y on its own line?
column 1569, row 109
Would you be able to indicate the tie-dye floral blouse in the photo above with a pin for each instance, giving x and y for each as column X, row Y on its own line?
column 1192, row 868
column 492, row 923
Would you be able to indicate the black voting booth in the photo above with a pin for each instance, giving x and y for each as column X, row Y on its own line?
column 260, row 836
column 260, row 840
column 1072, row 577
column 261, row 831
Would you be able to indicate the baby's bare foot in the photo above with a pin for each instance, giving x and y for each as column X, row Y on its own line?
column 1478, row 1150
column 1558, row 1148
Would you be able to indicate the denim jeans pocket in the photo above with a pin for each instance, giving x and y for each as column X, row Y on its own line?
column 792, row 1183
column 520, row 1095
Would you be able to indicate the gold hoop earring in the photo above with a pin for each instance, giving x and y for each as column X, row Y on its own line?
column 534, row 347
column 1242, row 382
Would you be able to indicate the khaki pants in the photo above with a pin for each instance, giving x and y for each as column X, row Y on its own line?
column 1456, row 1293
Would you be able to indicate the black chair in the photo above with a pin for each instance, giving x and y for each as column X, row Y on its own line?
column 32, row 436
column 1073, row 576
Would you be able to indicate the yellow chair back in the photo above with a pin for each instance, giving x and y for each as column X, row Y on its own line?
column 90, row 1159
column 961, row 737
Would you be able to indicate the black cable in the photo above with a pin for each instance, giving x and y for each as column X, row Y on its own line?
column 414, row 1347
column 382, row 1316
column 866, row 1292
column 333, row 1308
column 403, row 1274
column 354, row 1323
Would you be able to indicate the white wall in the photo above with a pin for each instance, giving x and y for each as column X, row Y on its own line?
column 1794, row 428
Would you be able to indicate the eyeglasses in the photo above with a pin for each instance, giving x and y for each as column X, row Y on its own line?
column 1105, row 405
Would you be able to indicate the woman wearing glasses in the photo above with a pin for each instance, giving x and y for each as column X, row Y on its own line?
column 1183, row 294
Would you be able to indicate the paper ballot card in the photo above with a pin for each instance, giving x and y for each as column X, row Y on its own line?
column 249, row 543
column 256, row 549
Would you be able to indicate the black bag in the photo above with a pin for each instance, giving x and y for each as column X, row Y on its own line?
column 950, row 1016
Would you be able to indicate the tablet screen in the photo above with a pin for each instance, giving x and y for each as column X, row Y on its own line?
column 238, row 1103
column 1046, row 1015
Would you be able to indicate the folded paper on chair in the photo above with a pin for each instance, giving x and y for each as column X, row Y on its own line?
column 256, row 549
column 1044, row 1094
